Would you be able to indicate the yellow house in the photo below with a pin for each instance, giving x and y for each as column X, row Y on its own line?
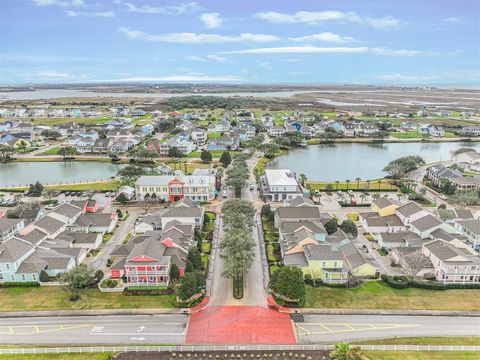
column 355, row 262
column 384, row 206
column 325, row 264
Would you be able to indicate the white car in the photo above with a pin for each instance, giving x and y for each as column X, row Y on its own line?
column 225, row 194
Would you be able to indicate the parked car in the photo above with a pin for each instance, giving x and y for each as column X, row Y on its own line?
column 339, row 192
column 350, row 192
column 225, row 193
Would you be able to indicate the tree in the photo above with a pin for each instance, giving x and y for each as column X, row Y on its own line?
column 67, row 151
column 358, row 182
column 303, row 179
column 206, row 156
column 399, row 167
column 44, row 277
column 174, row 272
column 36, row 189
column 288, row 282
column 77, row 280
column 132, row 170
column 337, row 183
column 50, row 134
column 238, row 213
column 174, row 152
column 122, row 198
column 349, row 227
column 267, row 212
column 191, row 284
column 49, row 194
column 415, row 263
column 6, row 152
column 195, row 258
column 225, row 159
column 348, row 183
column 237, row 252
column 331, row 226
column 465, row 197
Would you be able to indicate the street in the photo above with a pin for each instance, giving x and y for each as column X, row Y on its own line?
column 136, row 329
column 334, row 328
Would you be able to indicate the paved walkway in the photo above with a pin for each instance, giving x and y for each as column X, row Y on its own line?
column 240, row 325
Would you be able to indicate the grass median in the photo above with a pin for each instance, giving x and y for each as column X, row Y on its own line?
column 53, row 298
column 377, row 295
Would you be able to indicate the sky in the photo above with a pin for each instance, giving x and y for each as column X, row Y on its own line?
column 415, row 42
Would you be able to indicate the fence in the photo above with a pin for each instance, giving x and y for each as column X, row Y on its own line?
column 215, row 348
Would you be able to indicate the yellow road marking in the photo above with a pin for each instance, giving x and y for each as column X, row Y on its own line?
column 349, row 327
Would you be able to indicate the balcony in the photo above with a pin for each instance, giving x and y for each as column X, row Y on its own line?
column 146, row 272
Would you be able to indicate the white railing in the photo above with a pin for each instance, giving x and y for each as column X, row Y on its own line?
column 206, row 348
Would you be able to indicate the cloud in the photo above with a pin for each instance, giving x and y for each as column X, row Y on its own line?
column 207, row 58
column 211, row 20
column 55, row 75
column 105, row 14
column 193, row 38
column 167, row 10
column 324, row 36
column 320, row 17
column 62, row 3
column 194, row 77
column 454, row 20
column 403, row 77
column 266, row 65
column 330, row 50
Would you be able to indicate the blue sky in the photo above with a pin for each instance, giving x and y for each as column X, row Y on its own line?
column 244, row 41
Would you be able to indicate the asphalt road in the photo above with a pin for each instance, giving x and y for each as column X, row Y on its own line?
column 136, row 329
column 334, row 328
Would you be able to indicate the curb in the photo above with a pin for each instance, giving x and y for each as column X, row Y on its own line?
column 108, row 312
column 322, row 311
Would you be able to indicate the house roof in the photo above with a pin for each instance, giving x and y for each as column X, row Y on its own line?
column 78, row 237
column 280, row 177
column 13, row 249
column 472, row 225
column 183, row 212
column 447, row 252
column 289, row 227
column 297, row 259
column 321, row 252
column 49, row 224
column 34, row 236
column 301, row 201
column 67, row 210
column 409, row 209
column 426, row 223
column 301, row 212
column 399, row 237
column 384, row 202
column 7, row 224
column 352, row 256
column 94, row 219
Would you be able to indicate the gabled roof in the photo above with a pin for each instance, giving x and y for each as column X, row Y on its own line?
column 13, row 249
column 49, row 224
column 301, row 201
column 409, row 209
column 472, row 225
column 94, row 219
column 7, row 224
column 384, row 202
column 426, row 223
column 322, row 252
column 302, row 212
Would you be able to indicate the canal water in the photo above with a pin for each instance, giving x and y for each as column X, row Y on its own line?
column 366, row 161
column 22, row 173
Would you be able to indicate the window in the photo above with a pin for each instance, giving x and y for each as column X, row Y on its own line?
column 34, row 277
column 7, row 266
column 23, row 277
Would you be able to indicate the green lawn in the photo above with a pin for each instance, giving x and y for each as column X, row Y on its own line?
column 214, row 135
column 62, row 121
column 353, row 216
column 95, row 186
column 52, row 298
column 461, row 340
column 51, row 151
column 422, row 355
column 377, row 295
column 385, row 184
column 407, row 135
column 88, row 356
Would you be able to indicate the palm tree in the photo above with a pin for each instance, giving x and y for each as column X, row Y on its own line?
column 358, row 182
column 303, row 179
column 337, row 183
column 363, row 197
column 368, row 184
column 379, row 182
column 348, row 182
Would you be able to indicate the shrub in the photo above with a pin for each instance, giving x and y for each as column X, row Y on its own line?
column 11, row 284
column 44, row 277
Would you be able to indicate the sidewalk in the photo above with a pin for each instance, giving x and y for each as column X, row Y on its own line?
column 100, row 312
column 325, row 311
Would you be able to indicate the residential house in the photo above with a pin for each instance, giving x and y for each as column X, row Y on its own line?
column 186, row 211
column 280, row 185
column 224, row 142
column 425, row 225
column 199, row 136
column 221, row 126
column 373, row 223
column 470, row 229
column 10, row 227
column 410, row 211
column 176, row 187
column 276, row 131
column 384, row 206
column 186, row 147
column 452, row 264
column 471, row 130
column 95, row 223
column 468, row 161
